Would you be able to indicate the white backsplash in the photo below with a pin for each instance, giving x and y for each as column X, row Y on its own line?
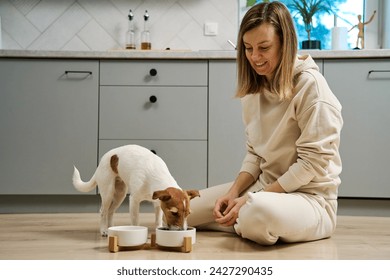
column 101, row 24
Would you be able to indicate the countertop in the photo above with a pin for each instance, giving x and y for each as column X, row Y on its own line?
column 180, row 54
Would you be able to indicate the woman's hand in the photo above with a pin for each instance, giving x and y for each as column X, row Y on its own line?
column 226, row 209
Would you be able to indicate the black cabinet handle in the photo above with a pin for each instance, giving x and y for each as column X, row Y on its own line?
column 153, row 72
column 78, row 72
column 378, row 75
column 77, row 75
column 378, row 71
column 153, row 99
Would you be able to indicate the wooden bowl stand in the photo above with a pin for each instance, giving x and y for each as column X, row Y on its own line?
column 113, row 246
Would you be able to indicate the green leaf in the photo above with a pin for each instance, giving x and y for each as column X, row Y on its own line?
column 250, row 3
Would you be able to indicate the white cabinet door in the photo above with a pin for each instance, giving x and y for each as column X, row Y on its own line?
column 226, row 129
column 363, row 88
column 48, row 123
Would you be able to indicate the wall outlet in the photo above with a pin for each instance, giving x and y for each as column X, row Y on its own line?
column 211, row 28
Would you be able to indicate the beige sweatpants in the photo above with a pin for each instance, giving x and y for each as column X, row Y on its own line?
column 268, row 217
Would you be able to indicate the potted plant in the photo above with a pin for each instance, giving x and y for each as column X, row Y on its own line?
column 307, row 9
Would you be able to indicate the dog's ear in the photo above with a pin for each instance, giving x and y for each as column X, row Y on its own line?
column 193, row 193
column 162, row 195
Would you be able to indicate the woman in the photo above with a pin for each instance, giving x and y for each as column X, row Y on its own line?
column 287, row 187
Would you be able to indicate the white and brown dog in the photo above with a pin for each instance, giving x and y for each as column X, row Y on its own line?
column 145, row 176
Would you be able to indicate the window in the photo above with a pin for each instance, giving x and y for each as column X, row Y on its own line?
column 347, row 12
column 346, row 15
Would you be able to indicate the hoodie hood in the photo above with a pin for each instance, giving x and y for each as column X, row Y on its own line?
column 304, row 63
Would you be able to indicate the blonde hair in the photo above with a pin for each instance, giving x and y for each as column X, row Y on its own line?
column 276, row 14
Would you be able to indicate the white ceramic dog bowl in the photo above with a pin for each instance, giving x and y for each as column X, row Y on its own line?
column 174, row 238
column 129, row 235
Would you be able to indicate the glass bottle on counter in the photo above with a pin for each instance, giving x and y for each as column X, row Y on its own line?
column 145, row 35
column 130, row 34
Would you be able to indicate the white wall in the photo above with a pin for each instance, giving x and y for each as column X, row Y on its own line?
column 371, row 35
column 376, row 33
column 102, row 24
column 386, row 25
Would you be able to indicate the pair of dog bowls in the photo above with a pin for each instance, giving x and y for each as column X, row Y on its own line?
column 131, row 236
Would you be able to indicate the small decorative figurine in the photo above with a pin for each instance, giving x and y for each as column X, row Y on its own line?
column 360, row 25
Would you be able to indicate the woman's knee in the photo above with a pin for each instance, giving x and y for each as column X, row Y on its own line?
column 255, row 221
column 261, row 207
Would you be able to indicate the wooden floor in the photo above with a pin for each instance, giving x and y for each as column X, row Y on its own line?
column 76, row 237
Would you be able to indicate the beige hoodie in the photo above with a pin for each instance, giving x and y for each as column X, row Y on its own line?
column 296, row 141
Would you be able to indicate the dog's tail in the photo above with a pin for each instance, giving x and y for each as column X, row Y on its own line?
column 80, row 185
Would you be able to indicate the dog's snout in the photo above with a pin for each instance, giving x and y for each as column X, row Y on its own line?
column 176, row 227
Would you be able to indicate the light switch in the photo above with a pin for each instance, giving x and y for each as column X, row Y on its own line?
column 211, row 28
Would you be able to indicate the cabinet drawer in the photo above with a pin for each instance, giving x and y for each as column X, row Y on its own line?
column 153, row 72
column 186, row 160
column 177, row 113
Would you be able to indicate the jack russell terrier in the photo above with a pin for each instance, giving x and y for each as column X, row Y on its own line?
column 146, row 176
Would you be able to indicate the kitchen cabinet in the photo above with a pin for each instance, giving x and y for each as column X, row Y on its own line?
column 161, row 105
column 362, row 86
column 48, row 123
column 226, row 130
column 56, row 113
